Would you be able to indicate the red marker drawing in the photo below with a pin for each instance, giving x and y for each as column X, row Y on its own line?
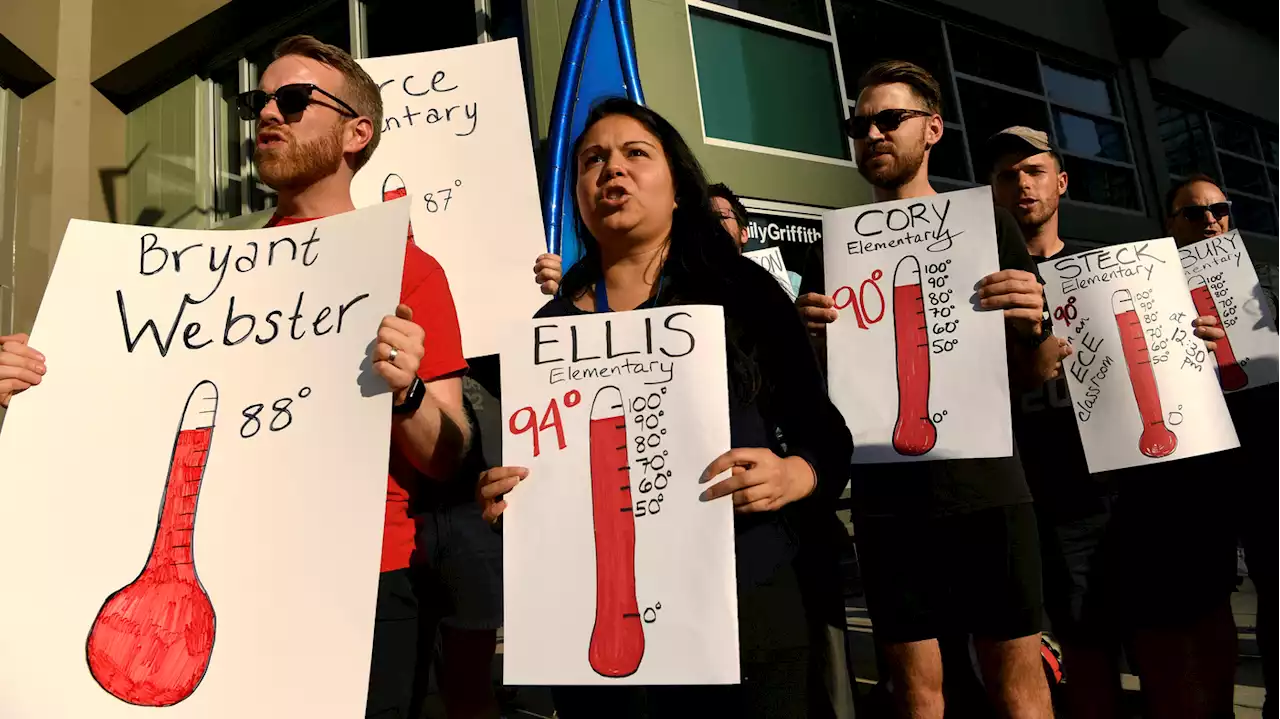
column 1156, row 440
column 1230, row 375
column 914, row 433
column 617, row 641
column 394, row 190
column 151, row 641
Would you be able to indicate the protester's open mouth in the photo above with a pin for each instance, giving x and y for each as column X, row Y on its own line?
column 1026, row 203
column 270, row 138
column 613, row 195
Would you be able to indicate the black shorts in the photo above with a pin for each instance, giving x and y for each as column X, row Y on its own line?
column 1158, row 552
column 458, row 568
column 395, row 647
column 975, row 573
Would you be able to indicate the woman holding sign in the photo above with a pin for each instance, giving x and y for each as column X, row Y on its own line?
column 651, row 239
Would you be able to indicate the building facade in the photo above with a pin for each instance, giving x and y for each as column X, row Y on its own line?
column 123, row 110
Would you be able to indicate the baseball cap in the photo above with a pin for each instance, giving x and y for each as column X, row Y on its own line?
column 1016, row 138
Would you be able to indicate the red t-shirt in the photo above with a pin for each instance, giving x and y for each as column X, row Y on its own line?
column 425, row 289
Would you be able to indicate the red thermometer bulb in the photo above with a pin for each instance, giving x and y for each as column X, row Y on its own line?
column 151, row 641
column 393, row 189
column 617, row 641
column 914, row 434
column 1230, row 375
column 1156, row 440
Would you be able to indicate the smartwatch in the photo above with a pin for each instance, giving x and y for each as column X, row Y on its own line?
column 412, row 400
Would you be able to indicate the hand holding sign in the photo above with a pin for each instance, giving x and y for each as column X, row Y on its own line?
column 1208, row 329
column 1017, row 293
column 20, row 367
column 761, row 480
column 817, row 311
column 398, row 351
column 547, row 271
column 493, row 487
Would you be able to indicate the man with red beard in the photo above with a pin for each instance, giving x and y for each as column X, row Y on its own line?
column 950, row 547
column 318, row 117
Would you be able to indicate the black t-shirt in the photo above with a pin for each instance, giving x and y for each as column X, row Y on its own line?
column 954, row 486
column 1044, row 427
column 791, row 402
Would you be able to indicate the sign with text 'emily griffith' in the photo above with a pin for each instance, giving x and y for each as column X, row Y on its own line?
column 614, row 571
column 1143, row 387
column 455, row 140
column 1224, row 285
column 918, row 371
column 224, row 377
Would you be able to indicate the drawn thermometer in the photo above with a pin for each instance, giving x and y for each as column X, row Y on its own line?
column 914, row 434
column 1156, row 440
column 151, row 641
column 617, row 641
column 394, row 190
column 1230, row 374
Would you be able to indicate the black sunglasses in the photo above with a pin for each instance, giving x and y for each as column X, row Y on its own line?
column 291, row 99
column 859, row 126
column 1195, row 213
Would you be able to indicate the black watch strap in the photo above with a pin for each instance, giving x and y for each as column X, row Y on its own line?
column 412, row 400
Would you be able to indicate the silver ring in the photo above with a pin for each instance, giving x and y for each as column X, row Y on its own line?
column 391, row 356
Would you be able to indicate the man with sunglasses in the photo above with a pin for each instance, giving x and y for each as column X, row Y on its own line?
column 318, row 116
column 947, row 547
column 1197, row 210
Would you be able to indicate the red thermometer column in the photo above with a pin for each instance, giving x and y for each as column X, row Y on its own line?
column 1230, row 374
column 617, row 641
column 151, row 641
column 393, row 189
column 1156, row 439
column 914, row 433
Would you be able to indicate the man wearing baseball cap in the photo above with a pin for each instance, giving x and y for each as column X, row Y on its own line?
column 1126, row 555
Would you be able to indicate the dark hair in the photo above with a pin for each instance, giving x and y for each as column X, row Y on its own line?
column 922, row 84
column 722, row 190
column 360, row 91
column 701, row 262
column 1172, row 197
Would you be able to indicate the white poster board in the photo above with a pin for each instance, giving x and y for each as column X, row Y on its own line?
column 251, row 394
column 770, row 259
column 614, row 571
column 918, row 371
column 1143, row 386
column 455, row 139
column 1223, row 284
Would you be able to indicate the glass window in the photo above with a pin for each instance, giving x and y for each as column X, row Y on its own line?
column 1236, row 137
column 1090, row 136
column 1252, row 215
column 231, row 149
column 767, row 88
column 808, row 14
column 1270, row 147
column 1187, row 149
column 394, row 27
column 1101, row 183
column 859, row 49
column 988, row 110
column 992, row 59
column 326, row 21
column 947, row 157
column 1082, row 93
column 1238, row 174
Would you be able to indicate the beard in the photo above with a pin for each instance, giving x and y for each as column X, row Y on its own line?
column 894, row 169
column 1039, row 213
column 294, row 165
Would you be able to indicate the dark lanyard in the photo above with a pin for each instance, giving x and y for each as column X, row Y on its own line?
column 602, row 296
